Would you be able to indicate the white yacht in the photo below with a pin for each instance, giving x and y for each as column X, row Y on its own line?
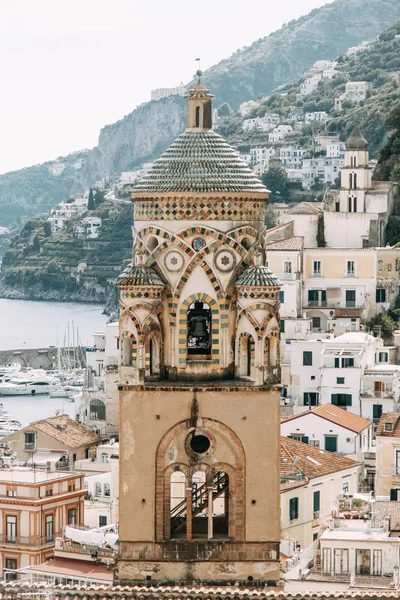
column 25, row 387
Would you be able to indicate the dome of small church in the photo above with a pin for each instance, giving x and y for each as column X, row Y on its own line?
column 258, row 276
column 356, row 141
column 139, row 275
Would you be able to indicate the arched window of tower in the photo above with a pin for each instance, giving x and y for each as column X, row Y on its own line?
column 246, row 243
column 153, row 243
column 245, row 355
column 198, row 115
column 199, row 329
column 127, row 351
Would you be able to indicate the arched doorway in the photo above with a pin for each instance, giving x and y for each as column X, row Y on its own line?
column 97, row 410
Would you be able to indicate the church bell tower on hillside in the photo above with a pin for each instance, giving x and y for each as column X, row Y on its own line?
column 199, row 339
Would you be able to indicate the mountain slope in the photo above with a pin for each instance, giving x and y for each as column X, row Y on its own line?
column 322, row 34
column 250, row 73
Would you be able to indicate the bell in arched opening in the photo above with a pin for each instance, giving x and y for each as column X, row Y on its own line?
column 199, row 328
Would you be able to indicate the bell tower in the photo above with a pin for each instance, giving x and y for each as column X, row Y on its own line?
column 356, row 175
column 199, row 400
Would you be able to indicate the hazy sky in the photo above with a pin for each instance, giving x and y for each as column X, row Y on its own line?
column 69, row 67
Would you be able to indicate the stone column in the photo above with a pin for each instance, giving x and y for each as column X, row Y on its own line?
column 189, row 514
column 210, row 513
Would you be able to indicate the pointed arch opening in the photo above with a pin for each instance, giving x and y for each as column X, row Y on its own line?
column 152, row 347
column 199, row 326
column 199, row 329
column 245, row 355
column 128, row 351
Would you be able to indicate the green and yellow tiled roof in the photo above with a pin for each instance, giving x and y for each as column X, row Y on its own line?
column 139, row 275
column 200, row 162
column 258, row 276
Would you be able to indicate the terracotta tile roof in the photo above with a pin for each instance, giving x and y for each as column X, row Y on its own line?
column 337, row 415
column 199, row 162
column 311, row 461
column 67, row 431
column 68, row 567
column 392, row 418
column 19, row 589
column 293, row 243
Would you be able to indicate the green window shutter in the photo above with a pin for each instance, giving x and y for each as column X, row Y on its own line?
column 336, row 362
column 282, row 326
column 348, row 400
column 282, row 296
column 351, row 362
column 333, row 399
column 393, row 494
column 307, row 359
column 317, row 500
column 323, row 296
column 293, row 508
column 304, row 439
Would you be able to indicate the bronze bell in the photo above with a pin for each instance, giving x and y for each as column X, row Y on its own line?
column 200, row 329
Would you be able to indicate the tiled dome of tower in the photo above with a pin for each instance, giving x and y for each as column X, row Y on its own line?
column 139, row 275
column 258, row 276
column 356, row 141
column 199, row 160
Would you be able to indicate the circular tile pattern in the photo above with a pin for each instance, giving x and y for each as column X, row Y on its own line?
column 174, row 261
column 225, row 260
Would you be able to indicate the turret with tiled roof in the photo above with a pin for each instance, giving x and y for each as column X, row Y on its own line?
column 199, row 160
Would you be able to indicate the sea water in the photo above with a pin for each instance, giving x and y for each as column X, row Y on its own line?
column 31, row 324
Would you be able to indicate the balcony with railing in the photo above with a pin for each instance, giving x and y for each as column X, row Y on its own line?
column 332, row 304
column 32, row 541
column 86, row 551
column 370, row 393
column 288, row 276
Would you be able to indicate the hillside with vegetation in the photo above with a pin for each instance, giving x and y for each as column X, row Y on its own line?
column 378, row 64
column 44, row 266
column 250, row 73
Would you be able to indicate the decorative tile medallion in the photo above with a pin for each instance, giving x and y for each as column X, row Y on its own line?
column 225, row 260
column 174, row 261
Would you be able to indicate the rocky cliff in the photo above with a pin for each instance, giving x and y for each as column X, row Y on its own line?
column 249, row 73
